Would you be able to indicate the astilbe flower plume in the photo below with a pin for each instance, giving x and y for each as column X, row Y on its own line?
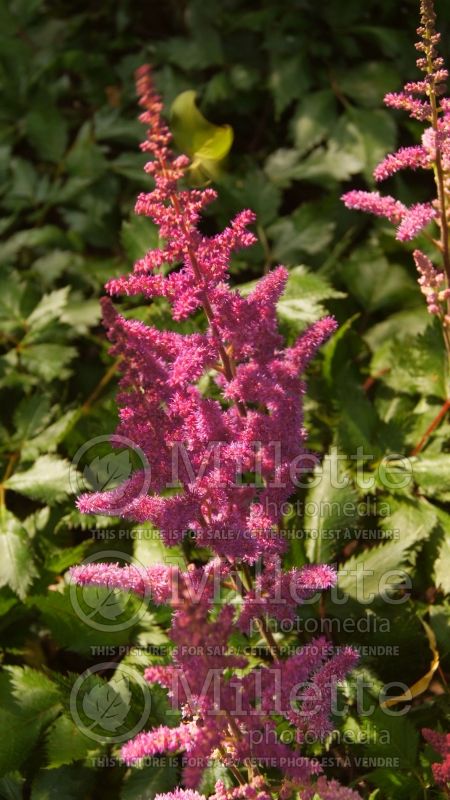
column 441, row 743
column 228, row 710
column 162, row 407
column 424, row 100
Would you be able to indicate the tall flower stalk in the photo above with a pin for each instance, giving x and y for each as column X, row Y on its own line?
column 224, row 407
column 425, row 101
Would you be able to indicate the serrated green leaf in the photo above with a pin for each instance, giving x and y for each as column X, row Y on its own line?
column 330, row 510
column 48, row 439
column 104, row 707
column 301, row 302
column 22, row 723
column 442, row 564
column 30, row 416
column 49, row 308
column 376, row 282
column 432, row 474
column 17, row 567
column 416, row 366
column 364, row 575
column 144, row 784
column 47, row 480
column 33, row 691
column 46, row 361
column 66, row 743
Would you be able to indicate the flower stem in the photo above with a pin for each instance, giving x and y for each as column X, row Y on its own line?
column 432, row 427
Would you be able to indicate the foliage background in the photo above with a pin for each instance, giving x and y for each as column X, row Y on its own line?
column 302, row 84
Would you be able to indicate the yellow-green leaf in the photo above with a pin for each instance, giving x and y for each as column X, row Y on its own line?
column 205, row 143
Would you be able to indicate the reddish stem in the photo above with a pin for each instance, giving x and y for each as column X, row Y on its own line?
column 437, row 420
column 369, row 382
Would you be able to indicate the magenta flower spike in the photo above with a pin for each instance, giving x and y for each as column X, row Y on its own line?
column 248, row 423
column 432, row 154
column 259, row 423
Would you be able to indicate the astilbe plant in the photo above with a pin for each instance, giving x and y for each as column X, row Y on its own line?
column 425, row 101
column 250, row 422
column 440, row 742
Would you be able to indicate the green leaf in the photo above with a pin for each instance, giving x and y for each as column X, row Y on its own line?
column 11, row 787
column 17, row 568
column 48, row 439
column 442, row 563
column 47, row 480
column 281, row 166
column 138, row 235
column 432, row 475
column 365, row 575
column 313, row 120
column 330, row 510
column 85, row 158
column 12, row 302
column 369, row 83
column 253, row 190
column 30, row 416
column 66, row 743
column 144, row 784
column 417, row 366
column 34, row 692
column 301, row 302
column 106, row 472
column 205, row 143
column 47, row 361
column 304, row 231
column 47, row 130
column 288, row 80
column 377, row 132
column 49, row 308
column 213, row 773
column 68, row 782
column 376, row 282
column 149, row 548
column 393, row 736
column 23, row 721
column 395, row 783
column 73, row 617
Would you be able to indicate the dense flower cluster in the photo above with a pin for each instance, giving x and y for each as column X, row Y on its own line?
column 224, row 408
column 239, row 713
column 441, row 743
column 256, row 428
column 432, row 154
